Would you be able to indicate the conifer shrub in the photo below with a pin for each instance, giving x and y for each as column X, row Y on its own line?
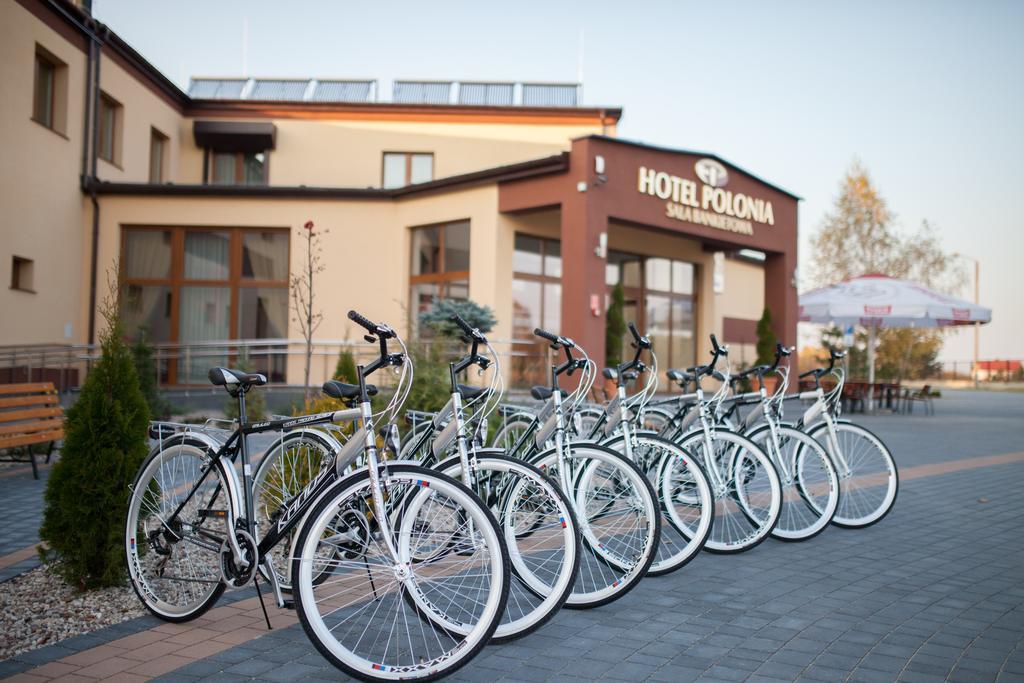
column 145, row 367
column 105, row 442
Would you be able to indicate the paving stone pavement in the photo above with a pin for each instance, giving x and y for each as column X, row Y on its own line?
column 21, row 505
column 933, row 592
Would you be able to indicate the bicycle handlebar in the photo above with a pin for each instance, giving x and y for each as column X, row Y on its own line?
column 818, row 373
column 571, row 364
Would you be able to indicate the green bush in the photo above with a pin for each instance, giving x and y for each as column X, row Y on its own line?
column 345, row 370
column 105, row 442
column 145, row 368
column 765, row 339
column 438, row 317
column 432, row 383
column 615, row 327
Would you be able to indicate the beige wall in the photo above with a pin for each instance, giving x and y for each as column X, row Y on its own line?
column 142, row 111
column 326, row 153
column 743, row 298
column 40, row 201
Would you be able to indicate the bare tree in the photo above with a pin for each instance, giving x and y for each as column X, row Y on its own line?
column 302, row 293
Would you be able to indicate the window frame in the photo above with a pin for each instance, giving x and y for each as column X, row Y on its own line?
column 51, row 115
column 442, row 277
column 158, row 140
column 116, row 109
column 176, row 280
column 17, row 263
column 239, row 157
column 407, row 179
column 543, row 277
column 639, row 295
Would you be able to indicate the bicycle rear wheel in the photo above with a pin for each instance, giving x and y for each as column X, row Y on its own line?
column 174, row 563
column 378, row 619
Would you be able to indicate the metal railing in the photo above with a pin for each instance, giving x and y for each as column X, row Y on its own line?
column 184, row 365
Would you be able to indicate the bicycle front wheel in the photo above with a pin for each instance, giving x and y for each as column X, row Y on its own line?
column 868, row 478
column 619, row 521
column 540, row 532
column 174, row 560
column 380, row 617
column 810, row 484
column 687, row 506
column 745, row 485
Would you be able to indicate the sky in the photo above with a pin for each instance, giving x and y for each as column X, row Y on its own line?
column 929, row 95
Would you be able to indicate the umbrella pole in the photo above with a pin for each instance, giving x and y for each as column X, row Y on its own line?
column 872, row 330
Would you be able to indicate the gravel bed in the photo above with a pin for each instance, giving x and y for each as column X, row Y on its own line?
column 38, row 608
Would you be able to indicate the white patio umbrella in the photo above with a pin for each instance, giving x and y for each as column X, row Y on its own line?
column 877, row 301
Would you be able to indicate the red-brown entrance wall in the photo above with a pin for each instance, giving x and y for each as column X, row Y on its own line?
column 589, row 200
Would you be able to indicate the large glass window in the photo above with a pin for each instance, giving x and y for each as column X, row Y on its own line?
column 536, row 302
column 440, row 265
column 659, row 297
column 195, row 286
column 406, row 168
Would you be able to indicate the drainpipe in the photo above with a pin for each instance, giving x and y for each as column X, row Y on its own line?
column 94, row 261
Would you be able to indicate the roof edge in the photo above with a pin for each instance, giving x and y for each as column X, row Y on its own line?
column 677, row 150
column 525, row 169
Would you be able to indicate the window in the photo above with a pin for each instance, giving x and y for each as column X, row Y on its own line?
column 659, row 298
column 110, row 114
column 22, row 272
column 440, row 265
column 192, row 285
column 49, row 91
column 407, row 168
column 238, row 168
column 157, row 156
column 536, row 302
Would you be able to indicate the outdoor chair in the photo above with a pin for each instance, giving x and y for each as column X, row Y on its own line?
column 923, row 396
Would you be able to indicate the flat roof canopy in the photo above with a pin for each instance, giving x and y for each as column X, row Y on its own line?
column 235, row 136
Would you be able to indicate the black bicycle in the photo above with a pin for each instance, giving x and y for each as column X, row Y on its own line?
column 364, row 602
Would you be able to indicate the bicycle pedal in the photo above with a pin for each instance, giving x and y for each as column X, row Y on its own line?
column 289, row 604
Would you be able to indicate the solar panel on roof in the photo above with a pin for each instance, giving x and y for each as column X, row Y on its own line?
column 418, row 92
column 278, row 91
column 342, row 91
column 549, row 95
column 216, row 88
column 493, row 94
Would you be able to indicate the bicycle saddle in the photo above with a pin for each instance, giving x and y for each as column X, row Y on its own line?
column 544, row 393
column 679, row 376
column 225, row 377
column 469, row 393
column 336, row 389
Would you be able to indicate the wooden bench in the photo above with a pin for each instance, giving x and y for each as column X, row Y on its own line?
column 30, row 414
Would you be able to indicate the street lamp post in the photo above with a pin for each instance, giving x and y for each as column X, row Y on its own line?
column 977, row 300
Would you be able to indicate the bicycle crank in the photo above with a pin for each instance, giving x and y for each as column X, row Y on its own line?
column 233, row 575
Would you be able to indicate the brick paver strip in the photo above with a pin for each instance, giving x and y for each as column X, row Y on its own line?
column 168, row 646
column 19, row 556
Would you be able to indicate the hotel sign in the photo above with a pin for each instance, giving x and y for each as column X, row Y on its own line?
column 707, row 203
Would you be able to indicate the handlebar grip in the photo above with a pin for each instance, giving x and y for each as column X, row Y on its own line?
column 714, row 344
column 547, row 335
column 460, row 321
column 360, row 320
column 633, row 331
